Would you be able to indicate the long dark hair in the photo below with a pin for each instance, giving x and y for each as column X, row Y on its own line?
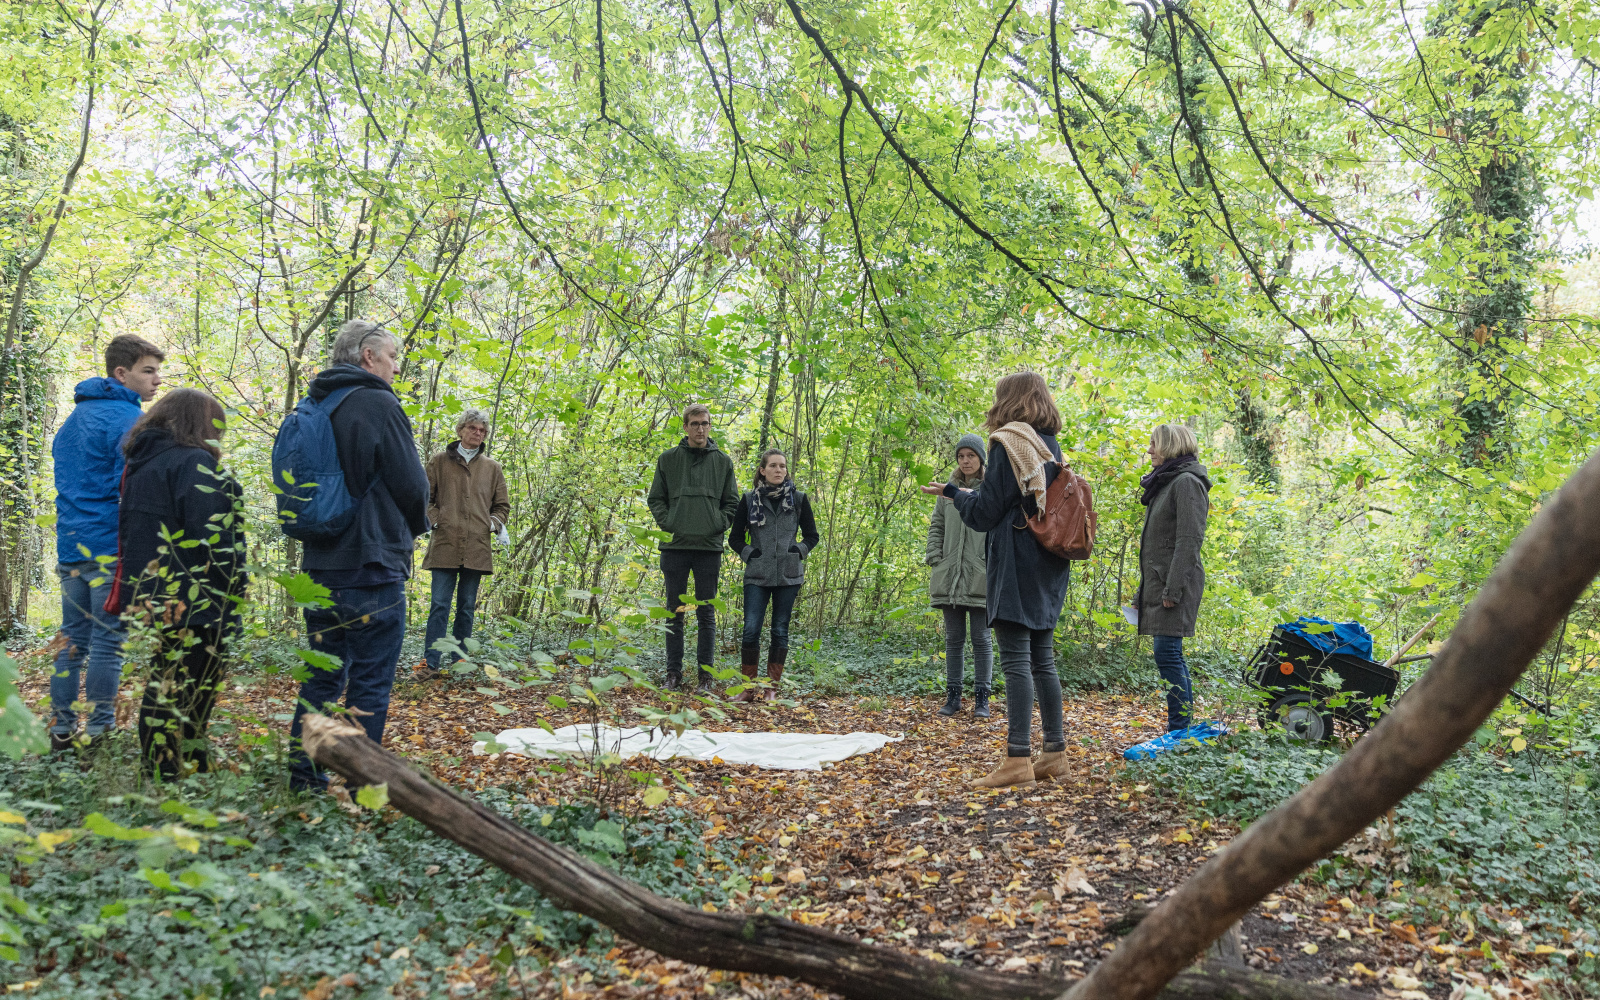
column 761, row 463
column 193, row 418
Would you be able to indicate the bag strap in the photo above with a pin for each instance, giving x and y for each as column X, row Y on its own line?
column 332, row 400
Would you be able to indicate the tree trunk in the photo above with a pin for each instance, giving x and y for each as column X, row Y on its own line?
column 739, row 942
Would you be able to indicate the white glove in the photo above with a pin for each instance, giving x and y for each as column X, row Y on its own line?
column 503, row 536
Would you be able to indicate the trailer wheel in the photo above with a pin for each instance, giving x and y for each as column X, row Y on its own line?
column 1300, row 717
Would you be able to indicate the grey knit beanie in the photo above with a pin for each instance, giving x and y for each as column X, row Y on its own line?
column 974, row 442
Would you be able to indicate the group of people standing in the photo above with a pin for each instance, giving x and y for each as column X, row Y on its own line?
column 151, row 536
column 164, row 549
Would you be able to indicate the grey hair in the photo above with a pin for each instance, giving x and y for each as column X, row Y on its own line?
column 353, row 338
column 472, row 415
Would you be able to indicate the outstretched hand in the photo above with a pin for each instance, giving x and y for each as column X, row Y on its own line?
column 933, row 489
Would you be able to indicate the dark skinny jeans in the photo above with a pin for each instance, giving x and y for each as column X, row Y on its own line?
column 1028, row 658
column 1175, row 671
column 955, row 647
column 755, row 609
column 676, row 566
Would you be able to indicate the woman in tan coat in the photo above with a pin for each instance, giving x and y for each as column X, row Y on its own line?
column 468, row 506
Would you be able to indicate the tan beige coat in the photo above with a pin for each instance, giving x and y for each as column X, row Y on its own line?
column 462, row 497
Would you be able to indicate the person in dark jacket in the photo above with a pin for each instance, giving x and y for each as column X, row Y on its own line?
column 180, row 571
column 88, row 471
column 1172, row 579
column 468, row 505
column 764, row 529
column 957, row 585
column 1026, row 585
column 693, row 496
column 366, row 569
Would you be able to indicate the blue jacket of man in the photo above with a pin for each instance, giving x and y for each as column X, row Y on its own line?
column 88, row 460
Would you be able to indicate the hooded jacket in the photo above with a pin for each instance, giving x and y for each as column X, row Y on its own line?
column 955, row 551
column 174, row 494
column 467, row 502
column 88, row 463
column 384, row 474
column 1169, row 553
column 695, row 496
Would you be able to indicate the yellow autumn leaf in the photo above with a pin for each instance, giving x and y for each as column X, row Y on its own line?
column 1544, row 949
column 1518, row 745
column 1182, row 837
column 1510, row 732
column 11, row 817
column 1309, row 948
column 50, row 838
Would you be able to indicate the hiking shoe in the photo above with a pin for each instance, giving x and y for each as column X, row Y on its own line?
column 952, row 701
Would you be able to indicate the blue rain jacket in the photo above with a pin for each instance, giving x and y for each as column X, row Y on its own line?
column 88, row 461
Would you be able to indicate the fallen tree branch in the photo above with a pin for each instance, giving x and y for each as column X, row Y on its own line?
column 739, row 942
column 1547, row 569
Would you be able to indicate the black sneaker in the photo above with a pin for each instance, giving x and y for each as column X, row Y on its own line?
column 674, row 680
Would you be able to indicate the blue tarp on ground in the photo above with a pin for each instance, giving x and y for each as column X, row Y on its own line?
column 1346, row 637
column 1200, row 734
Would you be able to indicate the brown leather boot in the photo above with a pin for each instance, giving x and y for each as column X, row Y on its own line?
column 1016, row 772
column 1051, row 765
column 774, row 676
column 747, row 666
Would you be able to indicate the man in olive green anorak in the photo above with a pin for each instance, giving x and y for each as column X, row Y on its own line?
column 694, row 496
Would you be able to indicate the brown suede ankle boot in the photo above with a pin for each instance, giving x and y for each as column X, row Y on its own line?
column 1014, row 773
column 1051, row 765
column 775, row 676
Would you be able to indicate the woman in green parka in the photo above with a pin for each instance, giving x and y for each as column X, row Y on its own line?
column 956, row 585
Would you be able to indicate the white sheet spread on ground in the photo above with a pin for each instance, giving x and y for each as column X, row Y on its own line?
column 780, row 751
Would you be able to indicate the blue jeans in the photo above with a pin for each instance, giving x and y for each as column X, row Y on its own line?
column 463, row 585
column 363, row 629
column 93, row 635
column 1028, row 659
column 1180, row 694
column 755, row 611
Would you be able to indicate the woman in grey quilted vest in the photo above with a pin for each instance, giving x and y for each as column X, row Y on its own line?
column 957, row 586
column 764, row 534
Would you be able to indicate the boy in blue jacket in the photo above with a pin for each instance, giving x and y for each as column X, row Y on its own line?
column 88, row 464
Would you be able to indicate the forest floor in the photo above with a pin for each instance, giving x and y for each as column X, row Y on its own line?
column 894, row 847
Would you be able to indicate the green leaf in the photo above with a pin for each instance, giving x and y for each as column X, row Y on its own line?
column 373, row 796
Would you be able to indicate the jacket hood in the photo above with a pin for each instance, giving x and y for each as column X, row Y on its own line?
column 711, row 446
column 1195, row 469
column 153, row 442
column 339, row 376
column 105, row 387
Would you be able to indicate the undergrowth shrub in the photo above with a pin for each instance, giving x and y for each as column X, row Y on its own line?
column 301, row 890
column 1501, row 847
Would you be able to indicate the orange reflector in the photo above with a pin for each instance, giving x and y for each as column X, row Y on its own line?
column 1286, row 668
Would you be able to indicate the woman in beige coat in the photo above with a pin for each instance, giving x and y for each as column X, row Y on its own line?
column 467, row 506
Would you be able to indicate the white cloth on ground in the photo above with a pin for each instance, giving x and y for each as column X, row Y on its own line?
column 779, row 751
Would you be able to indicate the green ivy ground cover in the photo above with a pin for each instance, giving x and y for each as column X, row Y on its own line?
column 303, row 890
column 1493, row 846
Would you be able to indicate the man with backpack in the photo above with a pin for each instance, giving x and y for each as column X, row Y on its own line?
column 358, row 512
column 88, row 468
